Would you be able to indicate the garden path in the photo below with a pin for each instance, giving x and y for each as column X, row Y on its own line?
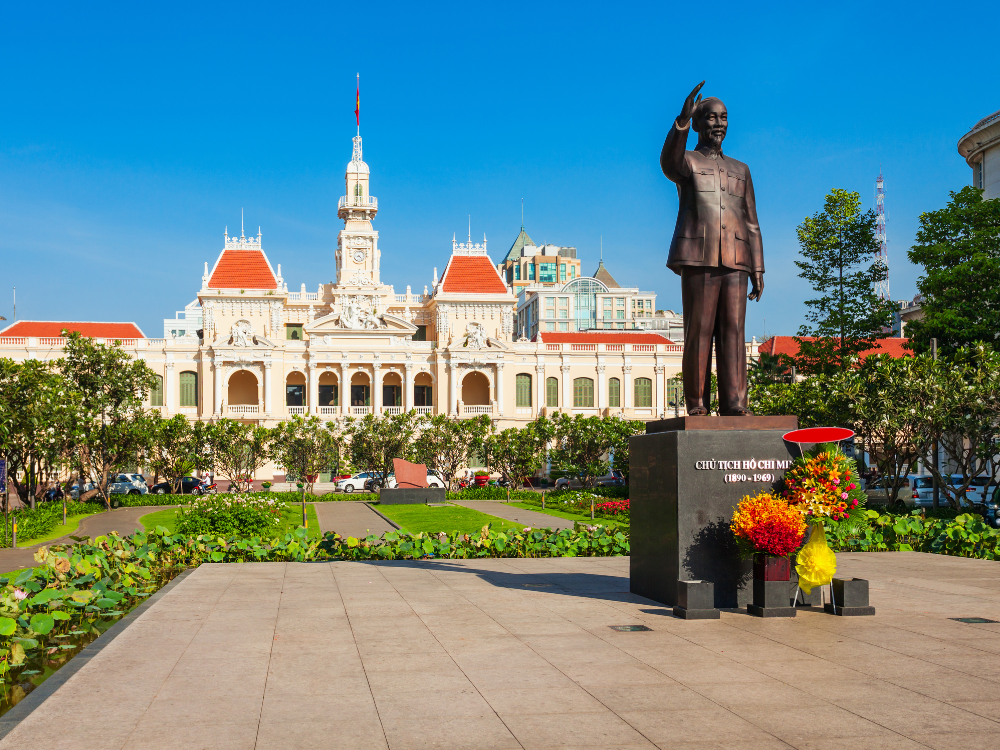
column 519, row 653
column 531, row 518
column 350, row 518
column 123, row 520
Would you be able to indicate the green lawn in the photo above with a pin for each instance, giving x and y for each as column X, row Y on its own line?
column 72, row 524
column 292, row 519
column 570, row 516
column 450, row 518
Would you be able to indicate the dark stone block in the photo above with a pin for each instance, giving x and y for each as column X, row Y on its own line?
column 696, row 601
column 412, row 496
column 756, row 611
column 850, row 595
column 813, row 599
column 772, row 593
column 680, row 514
column 783, row 423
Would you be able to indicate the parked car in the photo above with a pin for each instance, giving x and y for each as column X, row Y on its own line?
column 612, row 479
column 433, row 480
column 357, row 482
column 122, row 484
column 991, row 509
column 189, row 486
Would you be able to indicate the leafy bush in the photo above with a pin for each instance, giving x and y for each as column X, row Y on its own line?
column 136, row 501
column 493, row 493
column 575, row 501
column 32, row 524
column 966, row 535
column 231, row 515
column 616, row 493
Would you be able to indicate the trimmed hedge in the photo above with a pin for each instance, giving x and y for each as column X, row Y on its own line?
column 492, row 493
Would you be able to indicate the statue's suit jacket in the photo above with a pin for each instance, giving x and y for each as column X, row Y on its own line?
column 717, row 219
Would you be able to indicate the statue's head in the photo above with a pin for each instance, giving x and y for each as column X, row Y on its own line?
column 710, row 121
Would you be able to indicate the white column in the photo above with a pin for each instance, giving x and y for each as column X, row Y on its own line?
column 566, row 398
column 453, row 387
column 660, row 405
column 600, row 387
column 408, row 383
column 169, row 397
column 267, row 386
column 312, row 381
column 217, row 388
column 627, row 387
column 345, row 388
column 377, row 388
column 499, row 375
column 540, row 376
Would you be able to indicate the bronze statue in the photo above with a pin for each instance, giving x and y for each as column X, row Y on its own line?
column 715, row 250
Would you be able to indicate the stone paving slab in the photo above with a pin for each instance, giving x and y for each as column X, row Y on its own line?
column 350, row 518
column 123, row 520
column 531, row 518
column 519, row 654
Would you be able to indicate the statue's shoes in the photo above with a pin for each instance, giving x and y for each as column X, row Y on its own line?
column 741, row 412
column 699, row 411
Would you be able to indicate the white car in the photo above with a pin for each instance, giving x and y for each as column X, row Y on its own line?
column 433, row 480
column 354, row 484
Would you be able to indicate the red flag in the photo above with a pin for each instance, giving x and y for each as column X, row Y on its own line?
column 357, row 104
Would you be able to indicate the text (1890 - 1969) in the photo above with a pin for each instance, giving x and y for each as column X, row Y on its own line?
column 760, row 469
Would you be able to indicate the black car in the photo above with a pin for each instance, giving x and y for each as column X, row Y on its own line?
column 189, row 486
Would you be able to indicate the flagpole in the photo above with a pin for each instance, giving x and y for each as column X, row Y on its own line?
column 359, row 105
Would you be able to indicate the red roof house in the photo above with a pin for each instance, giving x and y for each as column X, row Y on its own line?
column 242, row 265
column 54, row 329
column 895, row 347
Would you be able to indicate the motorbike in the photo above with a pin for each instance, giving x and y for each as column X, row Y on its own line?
column 209, row 489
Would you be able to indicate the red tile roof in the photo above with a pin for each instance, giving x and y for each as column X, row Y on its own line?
column 472, row 274
column 242, row 269
column 54, row 328
column 895, row 347
column 610, row 337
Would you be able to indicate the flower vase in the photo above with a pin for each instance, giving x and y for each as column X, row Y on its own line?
column 771, row 587
column 481, row 481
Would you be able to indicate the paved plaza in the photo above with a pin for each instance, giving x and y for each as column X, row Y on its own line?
column 520, row 654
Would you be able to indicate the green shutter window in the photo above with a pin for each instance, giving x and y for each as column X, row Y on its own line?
column 189, row 389
column 552, row 392
column 524, row 390
column 293, row 332
column 614, row 392
column 156, row 392
column 583, row 393
column 643, row 392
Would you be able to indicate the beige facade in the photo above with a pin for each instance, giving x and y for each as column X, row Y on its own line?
column 356, row 346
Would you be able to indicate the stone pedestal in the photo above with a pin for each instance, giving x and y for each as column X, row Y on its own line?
column 412, row 496
column 684, row 484
column 696, row 601
column 850, row 598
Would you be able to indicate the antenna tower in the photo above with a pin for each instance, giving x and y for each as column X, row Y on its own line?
column 882, row 287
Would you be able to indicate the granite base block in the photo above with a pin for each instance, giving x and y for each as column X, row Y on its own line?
column 851, row 598
column 412, row 496
column 684, row 485
column 771, row 599
column 696, row 601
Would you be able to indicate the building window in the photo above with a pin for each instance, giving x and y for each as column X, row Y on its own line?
column 421, row 334
column 643, row 392
column 608, row 311
column 550, row 307
column 614, row 392
column 583, row 393
column 621, row 315
column 531, row 272
column 547, row 273
column 564, row 326
column 423, row 395
column 156, row 392
column 295, row 395
column 562, row 272
column 189, row 388
column 293, row 332
column 550, row 326
column 977, row 176
column 523, row 390
column 517, row 273
column 328, row 395
column 552, row 392
column 572, row 272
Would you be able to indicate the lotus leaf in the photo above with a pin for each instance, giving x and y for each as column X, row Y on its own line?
column 7, row 626
column 42, row 623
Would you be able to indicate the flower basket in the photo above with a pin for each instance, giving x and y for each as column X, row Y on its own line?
column 481, row 481
column 771, row 568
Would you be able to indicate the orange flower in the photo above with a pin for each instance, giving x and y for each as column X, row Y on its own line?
column 769, row 524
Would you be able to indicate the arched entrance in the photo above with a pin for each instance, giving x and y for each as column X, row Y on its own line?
column 329, row 393
column 392, row 389
column 423, row 389
column 295, row 389
column 361, row 389
column 243, row 389
column 476, row 389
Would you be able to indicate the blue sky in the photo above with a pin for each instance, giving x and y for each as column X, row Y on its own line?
column 131, row 137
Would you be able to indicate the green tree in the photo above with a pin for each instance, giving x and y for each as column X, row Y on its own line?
column 958, row 402
column 582, row 445
column 517, row 453
column 111, row 387
column 171, row 448
column 374, row 441
column 238, row 450
column 621, row 431
column 447, row 444
column 839, row 260
column 306, row 447
column 959, row 248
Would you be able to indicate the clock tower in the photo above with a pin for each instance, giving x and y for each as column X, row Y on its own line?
column 358, row 256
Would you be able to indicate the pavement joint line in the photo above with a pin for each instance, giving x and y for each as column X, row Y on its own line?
column 350, row 624
column 270, row 653
column 36, row 697
column 384, row 517
column 450, row 656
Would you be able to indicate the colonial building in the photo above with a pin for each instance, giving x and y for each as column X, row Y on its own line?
column 250, row 349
